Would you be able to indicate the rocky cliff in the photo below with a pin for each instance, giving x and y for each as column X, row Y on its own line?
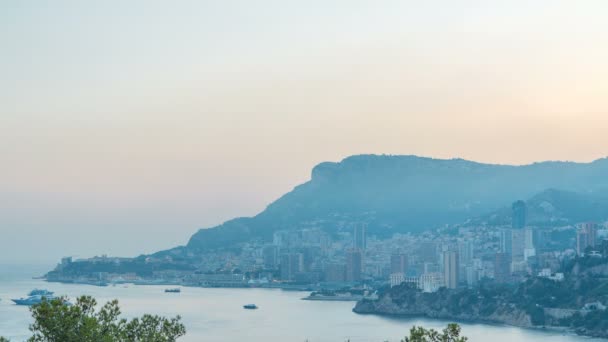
column 459, row 305
column 577, row 303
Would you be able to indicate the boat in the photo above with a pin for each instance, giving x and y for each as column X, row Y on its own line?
column 250, row 306
column 32, row 300
column 40, row 292
column 37, row 299
column 175, row 290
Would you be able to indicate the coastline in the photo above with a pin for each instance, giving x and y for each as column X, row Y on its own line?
column 557, row 329
column 442, row 318
column 284, row 287
column 489, row 322
column 272, row 303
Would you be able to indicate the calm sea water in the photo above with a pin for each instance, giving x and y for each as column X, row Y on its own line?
column 217, row 314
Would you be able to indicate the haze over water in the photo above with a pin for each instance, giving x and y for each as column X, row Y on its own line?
column 217, row 314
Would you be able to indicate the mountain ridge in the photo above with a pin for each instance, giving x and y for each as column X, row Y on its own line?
column 399, row 193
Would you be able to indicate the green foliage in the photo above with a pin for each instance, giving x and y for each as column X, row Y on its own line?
column 54, row 321
column 450, row 334
column 537, row 314
column 593, row 321
column 2, row 339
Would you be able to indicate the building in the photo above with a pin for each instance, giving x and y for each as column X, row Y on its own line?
column 279, row 237
column 519, row 212
column 502, row 267
column 603, row 247
column 399, row 263
column 291, row 264
column 354, row 265
column 427, row 251
column 505, row 241
column 359, row 240
column 471, row 275
column 219, row 280
column 546, row 273
column 450, row 269
column 529, row 249
column 335, row 273
column 586, row 236
column 65, row 262
column 397, row 278
column 465, row 252
column 518, row 245
column 270, row 254
column 306, row 277
column 430, row 282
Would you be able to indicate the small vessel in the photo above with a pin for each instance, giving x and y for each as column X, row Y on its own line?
column 37, row 299
column 32, row 300
column 40, row 292
column 174, row 290
column 250, row 306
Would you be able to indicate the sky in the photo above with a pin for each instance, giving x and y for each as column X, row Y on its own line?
column 125, row 126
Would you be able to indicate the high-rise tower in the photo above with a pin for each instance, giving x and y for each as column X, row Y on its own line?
column 519, row 212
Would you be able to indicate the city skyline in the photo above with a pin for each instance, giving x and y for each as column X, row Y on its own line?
column 304, row 170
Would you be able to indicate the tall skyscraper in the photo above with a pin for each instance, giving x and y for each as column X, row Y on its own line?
column 519, row 211
column 450, row 269
column 354, row 264
column 359, row 241
column 518, row 245
column 399, row 263
column 505, row 241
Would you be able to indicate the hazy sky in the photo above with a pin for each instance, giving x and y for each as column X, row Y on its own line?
column 127, row 125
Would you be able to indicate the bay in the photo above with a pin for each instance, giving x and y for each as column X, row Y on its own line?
column 218, row 315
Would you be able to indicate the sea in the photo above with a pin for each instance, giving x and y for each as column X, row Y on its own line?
column 217, row 314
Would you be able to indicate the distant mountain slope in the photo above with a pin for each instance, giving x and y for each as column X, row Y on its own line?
column 403, row 193
column 554, row 206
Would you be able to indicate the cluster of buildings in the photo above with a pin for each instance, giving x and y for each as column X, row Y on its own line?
column 311, row 255
column 451, row 257
column 350, row 256
column 504, row 254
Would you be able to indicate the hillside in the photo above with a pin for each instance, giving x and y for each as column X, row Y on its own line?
column 403, row 193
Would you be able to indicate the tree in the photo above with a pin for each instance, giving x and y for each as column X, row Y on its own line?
column 450, row 334
column 57, row 321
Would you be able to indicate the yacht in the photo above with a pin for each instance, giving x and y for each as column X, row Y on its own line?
column 175, row 290
column 32, row 300
column 36, row 296
column 250, row 306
